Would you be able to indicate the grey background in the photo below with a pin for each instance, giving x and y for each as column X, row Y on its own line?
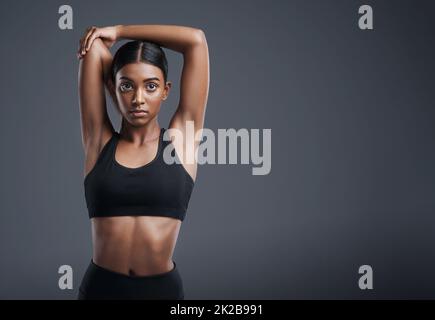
column 352, row 118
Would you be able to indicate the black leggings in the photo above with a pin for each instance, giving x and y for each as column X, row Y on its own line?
column 100, row 283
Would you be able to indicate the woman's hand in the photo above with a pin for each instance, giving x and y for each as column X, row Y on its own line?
column 109, row 35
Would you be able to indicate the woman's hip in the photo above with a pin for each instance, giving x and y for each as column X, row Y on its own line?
column 100, row 283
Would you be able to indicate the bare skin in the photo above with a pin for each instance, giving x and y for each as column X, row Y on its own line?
column 138, row 245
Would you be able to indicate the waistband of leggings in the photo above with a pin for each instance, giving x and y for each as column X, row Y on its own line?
column 121, row 275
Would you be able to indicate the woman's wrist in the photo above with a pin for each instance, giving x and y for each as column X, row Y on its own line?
column 118, row 31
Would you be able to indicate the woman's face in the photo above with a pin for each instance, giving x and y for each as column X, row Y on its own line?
column 140, row 86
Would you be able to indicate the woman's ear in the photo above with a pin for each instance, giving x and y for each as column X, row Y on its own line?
column 167, row 89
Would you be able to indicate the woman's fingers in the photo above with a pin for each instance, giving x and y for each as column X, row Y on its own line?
column 80, row 45
column 85, row 34
column 94, row 35
column 85, row 42
column 80, row 51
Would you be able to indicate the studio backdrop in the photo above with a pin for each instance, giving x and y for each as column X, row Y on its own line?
column 328, row 192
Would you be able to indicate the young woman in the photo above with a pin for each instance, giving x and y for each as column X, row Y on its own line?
column 136, row 200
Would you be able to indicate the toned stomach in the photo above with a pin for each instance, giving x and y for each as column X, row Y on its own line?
column 135, row 245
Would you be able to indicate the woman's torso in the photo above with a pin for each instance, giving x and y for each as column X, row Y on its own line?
column 135, row 245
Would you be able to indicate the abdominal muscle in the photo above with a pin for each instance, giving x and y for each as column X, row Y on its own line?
column 135, row 245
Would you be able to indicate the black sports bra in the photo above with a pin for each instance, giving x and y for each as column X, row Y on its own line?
column 155, row 189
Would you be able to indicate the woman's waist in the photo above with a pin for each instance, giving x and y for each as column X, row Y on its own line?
column 133, row 265
column 133, row 255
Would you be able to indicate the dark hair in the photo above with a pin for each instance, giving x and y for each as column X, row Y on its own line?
column 139, row 51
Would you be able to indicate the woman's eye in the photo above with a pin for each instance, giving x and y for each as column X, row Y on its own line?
column 125, row 86
column 153, row 86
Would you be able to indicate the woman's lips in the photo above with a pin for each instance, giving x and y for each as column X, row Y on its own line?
column 139, row 113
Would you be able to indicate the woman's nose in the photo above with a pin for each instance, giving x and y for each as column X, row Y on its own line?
column 138, row 97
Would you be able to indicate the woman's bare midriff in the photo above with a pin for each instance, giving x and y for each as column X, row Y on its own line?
column 135, row 245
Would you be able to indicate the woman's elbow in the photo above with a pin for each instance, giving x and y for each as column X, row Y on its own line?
column 200, row 36
column 97, row 48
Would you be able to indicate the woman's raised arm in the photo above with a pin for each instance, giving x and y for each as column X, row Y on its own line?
column 191, row 42
column 95, row 123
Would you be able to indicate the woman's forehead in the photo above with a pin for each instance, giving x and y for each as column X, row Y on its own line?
column 139, row 71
